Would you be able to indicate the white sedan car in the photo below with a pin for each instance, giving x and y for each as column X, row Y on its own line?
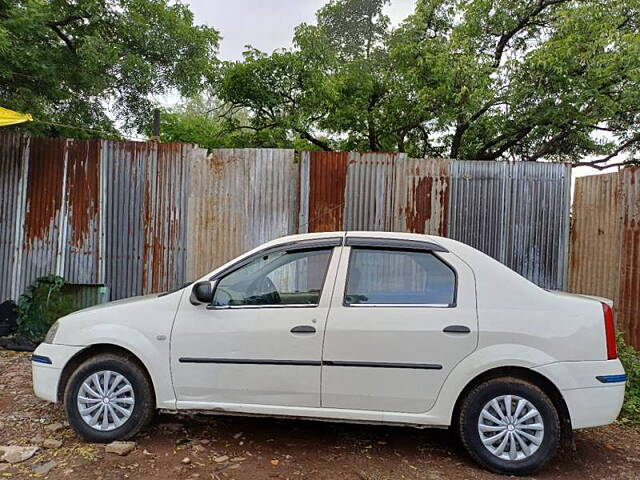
column 375, row 327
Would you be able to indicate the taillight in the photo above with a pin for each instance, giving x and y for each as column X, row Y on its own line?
column 610, row 332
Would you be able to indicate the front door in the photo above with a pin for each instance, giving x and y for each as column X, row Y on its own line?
column 260, row 341
column 401, row 319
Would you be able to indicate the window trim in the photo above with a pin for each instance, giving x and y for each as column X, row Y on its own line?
column 328, row 244
column 453, row 304
column 395, row 243
column 313, row 244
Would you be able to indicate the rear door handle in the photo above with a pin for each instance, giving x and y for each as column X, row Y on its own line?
column 303, row 329
column 456, row 329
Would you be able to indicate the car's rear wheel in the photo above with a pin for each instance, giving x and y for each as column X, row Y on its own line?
column 509, row 426
column 108, row 397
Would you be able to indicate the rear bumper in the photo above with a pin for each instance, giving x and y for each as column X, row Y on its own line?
column 593, row 391
column 592, row 407
column 47, row 363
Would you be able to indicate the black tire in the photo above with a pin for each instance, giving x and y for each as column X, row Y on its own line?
column 143, row 408
column 470, row 412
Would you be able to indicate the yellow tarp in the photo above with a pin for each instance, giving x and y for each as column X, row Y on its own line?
column 9, row 117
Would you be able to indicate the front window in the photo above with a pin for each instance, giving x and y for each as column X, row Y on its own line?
column 398, row 277
column 278, row 278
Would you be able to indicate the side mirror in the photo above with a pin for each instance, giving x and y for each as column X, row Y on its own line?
column 202, row 292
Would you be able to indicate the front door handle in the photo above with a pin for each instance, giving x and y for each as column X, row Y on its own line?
column 456, row 329
column 303, row 329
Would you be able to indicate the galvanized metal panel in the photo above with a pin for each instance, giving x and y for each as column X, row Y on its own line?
column 369, row 191
column 478, row 213
column 273, row 194
column 322, row 191
column 239, row 198
column 123, row 170
column 628, row 299
column 421, row 195
column 516, row 212
column 595, row 230
column 14, row 155
column 538, row 237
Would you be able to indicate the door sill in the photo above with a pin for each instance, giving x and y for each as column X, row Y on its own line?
column 420, row 420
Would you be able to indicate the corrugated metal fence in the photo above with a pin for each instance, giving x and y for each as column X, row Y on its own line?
column 516, row 212
column 145, row 217
column 238, row 199
column 93, row 211
column 605, row 244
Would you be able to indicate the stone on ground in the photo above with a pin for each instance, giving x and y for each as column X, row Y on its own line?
column 16, row 454
column 120, row 448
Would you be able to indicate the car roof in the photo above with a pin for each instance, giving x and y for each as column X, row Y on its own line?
column 419, row 237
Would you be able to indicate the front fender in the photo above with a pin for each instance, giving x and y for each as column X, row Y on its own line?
column 152, row 352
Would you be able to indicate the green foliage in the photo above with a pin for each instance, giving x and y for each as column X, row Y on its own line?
column 205, row 122
column 630, row 359
column 471, row 79
column 40, row 306
column 68, row 61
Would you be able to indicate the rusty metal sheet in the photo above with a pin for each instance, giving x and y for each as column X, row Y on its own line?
column 165, row 205
column 369, row 191
column 146, row 196
column 238, row 199
column 43, row 244
column 323, row 178
column 14, row 164
column 594, row 265
column 421, row 196
column 627, row 301
column 83, row 253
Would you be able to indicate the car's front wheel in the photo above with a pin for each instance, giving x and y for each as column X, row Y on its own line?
column 108, row 397
column 509, row 426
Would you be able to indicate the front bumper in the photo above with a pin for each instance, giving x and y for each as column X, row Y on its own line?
column 47, row 363
column 592, row 400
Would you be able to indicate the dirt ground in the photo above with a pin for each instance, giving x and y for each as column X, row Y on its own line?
column 216, row 448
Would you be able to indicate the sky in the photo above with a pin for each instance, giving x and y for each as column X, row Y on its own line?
column 266, row 24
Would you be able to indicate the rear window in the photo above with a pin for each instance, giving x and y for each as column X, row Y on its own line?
column 399, row 277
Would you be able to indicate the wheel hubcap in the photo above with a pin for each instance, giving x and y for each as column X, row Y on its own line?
column 511, row 427
column 105, row 400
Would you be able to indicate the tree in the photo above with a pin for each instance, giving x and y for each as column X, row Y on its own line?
column 470, row 79
column 72, row 61
column 206, row 122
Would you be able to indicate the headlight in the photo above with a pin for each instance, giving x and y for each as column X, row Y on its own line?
column 51, row 334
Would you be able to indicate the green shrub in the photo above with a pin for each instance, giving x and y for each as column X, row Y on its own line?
column 630, row 359
column 40, row 306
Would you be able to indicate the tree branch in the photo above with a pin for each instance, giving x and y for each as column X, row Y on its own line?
column 67, row 20
column 62, row 36
column 463, row 125
column 633, row 161
column 318, row 143
column 596, row 163
column 485, row 154
column 525, row 21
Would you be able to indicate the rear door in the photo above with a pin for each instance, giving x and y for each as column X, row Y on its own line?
column 402, row 316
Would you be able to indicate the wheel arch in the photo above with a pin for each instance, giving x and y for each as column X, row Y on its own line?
column 91, row 351
column 523, row 373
